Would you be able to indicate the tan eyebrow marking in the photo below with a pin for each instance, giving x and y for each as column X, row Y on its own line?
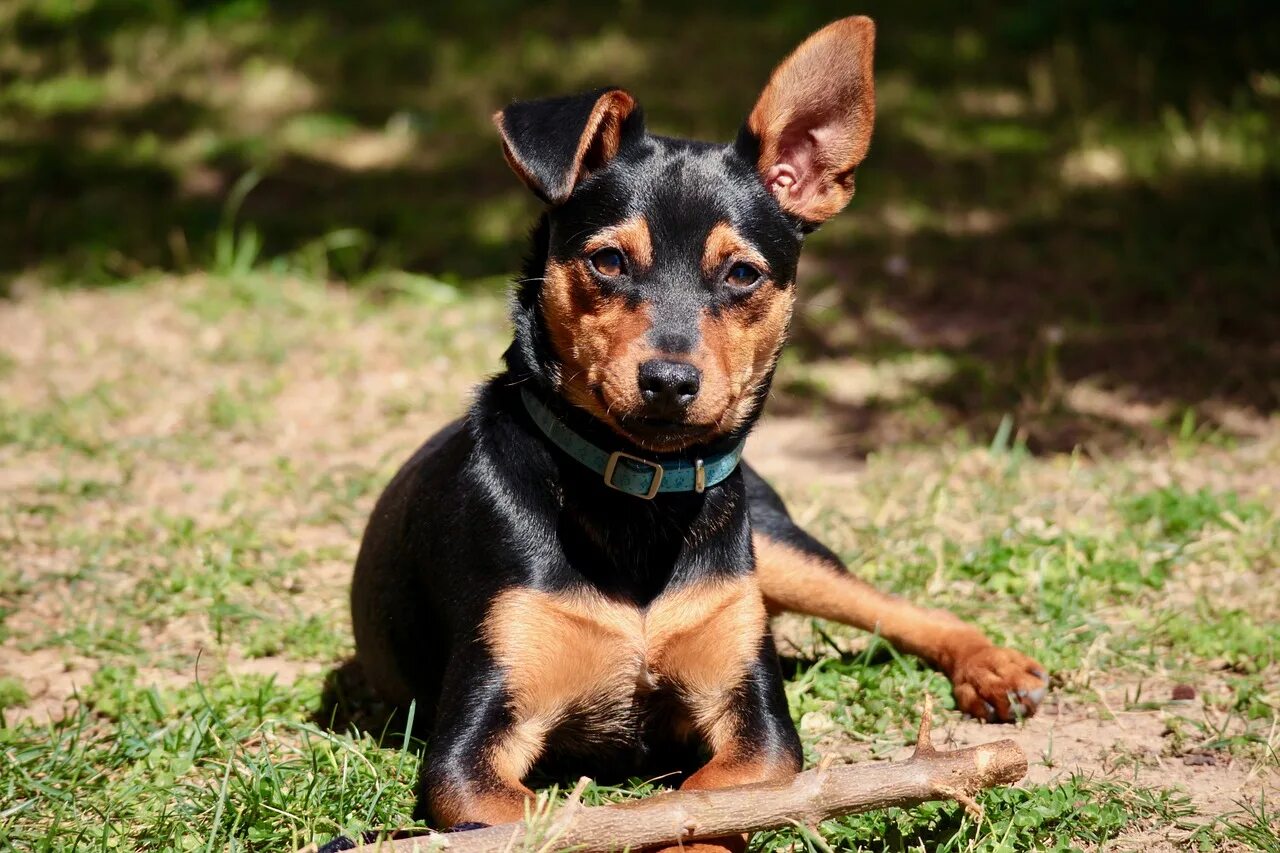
column 724, row 243
column 631, row 236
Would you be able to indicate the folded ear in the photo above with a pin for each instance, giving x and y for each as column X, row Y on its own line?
column 812, row 123
column 554, row 143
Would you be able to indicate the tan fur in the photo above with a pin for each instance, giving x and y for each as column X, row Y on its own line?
column 602, row 135
column 601, row 341
column 793, row 580
column 702, row 639
column 739, row 349
column 561, row 654
column 598, row 338
column 631, row 236
column 504, row 804
column 734, row 766
column 824, row 88
column 742, row 769
column 589, row 656
column 724, row 244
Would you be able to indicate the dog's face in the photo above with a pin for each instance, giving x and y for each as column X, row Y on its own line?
column 667, row 291
column 670, row 270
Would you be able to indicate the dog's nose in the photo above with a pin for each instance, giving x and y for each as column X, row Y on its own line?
column 669, row 387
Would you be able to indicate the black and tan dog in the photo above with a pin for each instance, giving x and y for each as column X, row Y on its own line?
column 579, row 573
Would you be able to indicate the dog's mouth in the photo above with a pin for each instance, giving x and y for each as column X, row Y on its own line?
column 662, row 435
column 652, row 431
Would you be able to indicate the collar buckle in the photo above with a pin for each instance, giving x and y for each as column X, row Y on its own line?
column 612, row 467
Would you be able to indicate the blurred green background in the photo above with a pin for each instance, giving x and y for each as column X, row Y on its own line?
column 1058, row 192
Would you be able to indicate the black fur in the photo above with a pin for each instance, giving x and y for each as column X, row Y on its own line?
column 489, row 503
column 544, row 136
column 489, row 510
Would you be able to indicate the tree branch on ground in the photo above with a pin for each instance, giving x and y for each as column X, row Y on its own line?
column 806, row 799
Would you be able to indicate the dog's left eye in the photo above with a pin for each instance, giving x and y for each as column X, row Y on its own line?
column 742, row 275
column 609, row 263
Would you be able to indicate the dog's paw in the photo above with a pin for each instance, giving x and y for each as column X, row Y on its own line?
column 736, row 844
column 342, row 842
column 998, row 685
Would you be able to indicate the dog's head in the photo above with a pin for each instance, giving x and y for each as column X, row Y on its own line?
column 664, row 272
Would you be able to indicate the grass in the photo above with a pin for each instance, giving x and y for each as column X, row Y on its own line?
column 1072, row 217
column 184, row 504
column 252, row 254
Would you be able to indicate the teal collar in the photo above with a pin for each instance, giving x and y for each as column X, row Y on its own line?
column 632, row 474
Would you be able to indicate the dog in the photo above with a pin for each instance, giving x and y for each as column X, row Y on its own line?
column 579, row 573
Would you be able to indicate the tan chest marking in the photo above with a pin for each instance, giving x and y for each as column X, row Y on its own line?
column 581, row 653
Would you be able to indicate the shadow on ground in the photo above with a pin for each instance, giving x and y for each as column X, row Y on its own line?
column 1075, row 206
column 348, row 703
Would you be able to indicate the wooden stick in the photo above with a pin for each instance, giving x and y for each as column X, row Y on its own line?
column 682, row 816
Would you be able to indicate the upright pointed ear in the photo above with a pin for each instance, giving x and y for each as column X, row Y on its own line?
column 554, row 143
column 812, row 124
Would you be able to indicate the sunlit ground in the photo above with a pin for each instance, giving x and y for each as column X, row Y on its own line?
column 252, row 256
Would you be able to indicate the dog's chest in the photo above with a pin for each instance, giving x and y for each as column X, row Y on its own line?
column 591, row 662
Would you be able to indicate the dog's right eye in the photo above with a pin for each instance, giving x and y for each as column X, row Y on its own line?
column 609, row 263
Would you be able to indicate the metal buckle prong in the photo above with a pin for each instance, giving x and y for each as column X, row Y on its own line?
column 613, row 465
column 699, row 477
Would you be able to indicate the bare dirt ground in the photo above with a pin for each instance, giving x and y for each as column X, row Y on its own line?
column 149, row 435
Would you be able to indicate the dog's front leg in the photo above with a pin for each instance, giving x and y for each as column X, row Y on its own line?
column 470, row 775
column 752, row 739
column 990, row 682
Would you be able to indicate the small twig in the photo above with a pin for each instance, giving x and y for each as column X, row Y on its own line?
column 575, row 796
column 565, row 815
column 969, row 803
column 924, row 738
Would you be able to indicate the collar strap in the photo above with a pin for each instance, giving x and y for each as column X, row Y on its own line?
column 632, row 474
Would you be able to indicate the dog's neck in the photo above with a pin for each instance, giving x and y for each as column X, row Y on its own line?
column 593, row 430
column 620, row 543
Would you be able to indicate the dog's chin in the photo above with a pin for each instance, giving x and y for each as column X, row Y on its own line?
column 663, row 436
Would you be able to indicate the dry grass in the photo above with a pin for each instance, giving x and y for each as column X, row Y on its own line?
column 187, row 464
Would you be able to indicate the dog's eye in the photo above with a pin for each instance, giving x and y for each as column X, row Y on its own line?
column 609, row 263
column 742, row 275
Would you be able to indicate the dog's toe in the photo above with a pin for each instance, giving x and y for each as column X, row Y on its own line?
column 1035, row 697
column 998, row 684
